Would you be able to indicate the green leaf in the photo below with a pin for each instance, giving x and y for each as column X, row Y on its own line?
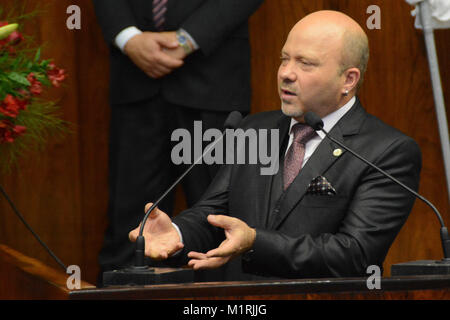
column 38, row 55
column 17, row 77
column 42, row 78
column 45, row 63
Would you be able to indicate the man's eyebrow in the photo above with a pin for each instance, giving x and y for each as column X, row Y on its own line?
column 298, row 56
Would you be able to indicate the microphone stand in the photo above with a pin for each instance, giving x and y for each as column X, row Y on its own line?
column 421, row 267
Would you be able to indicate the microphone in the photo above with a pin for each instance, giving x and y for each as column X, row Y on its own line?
column 421, row 267
column 134, row 275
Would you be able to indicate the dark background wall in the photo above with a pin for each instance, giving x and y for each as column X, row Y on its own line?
column 62, row 191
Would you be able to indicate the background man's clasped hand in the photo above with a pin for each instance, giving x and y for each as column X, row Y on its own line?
column 156, row 53
column 162, row 240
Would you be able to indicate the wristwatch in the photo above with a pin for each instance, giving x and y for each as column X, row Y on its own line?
column 183, row 41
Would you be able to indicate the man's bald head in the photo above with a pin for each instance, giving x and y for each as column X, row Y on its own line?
column 322, row 62
column 337, row 28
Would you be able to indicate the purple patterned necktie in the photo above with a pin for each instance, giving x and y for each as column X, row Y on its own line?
column 294, row 157
column 159, row 10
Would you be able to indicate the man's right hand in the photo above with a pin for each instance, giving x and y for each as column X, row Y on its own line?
column 161, row 237
column 146, row 51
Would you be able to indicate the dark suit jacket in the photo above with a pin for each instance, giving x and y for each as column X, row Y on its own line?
column 314, row 235
column 216, row 77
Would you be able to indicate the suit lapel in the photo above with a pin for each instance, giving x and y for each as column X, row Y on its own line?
column 319, row 162
column 266, row 181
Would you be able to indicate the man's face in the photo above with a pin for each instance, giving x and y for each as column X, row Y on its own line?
column 309, row 77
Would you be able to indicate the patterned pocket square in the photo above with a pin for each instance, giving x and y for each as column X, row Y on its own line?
column 320, row 186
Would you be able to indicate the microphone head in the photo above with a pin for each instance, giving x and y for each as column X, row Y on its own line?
column 313, row 120
column 233, row 120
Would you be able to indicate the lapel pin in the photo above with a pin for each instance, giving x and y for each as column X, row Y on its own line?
column 337, row 152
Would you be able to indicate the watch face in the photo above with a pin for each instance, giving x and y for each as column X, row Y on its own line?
column 182, row 39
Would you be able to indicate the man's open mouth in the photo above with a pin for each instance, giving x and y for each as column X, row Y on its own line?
column 287, row 92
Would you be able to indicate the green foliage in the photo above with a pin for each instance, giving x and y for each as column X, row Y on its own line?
column 27, row 121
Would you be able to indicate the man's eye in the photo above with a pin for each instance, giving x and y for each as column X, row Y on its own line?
column 284, row 60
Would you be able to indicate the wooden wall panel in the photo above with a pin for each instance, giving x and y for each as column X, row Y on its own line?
column 62, row 191
column 93, row 75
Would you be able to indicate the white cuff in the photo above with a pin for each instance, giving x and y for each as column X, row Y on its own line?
column 179, row 232
column 181, row 237
column 125, row 35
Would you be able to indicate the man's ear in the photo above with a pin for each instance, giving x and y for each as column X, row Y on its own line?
column 352, row 76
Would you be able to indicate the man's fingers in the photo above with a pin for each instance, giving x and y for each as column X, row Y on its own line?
column 226, row 249
column 179, row 246
column 201, row 261
column 154, row 212
column 198, row 264
column 162, row 252
column 165, row 60
column 166, row 39
column 197, row 255
column 159, row 70
column 198, row 260
column 221, row 221
column 133, row 234
column 148, row 206
column 156, row 254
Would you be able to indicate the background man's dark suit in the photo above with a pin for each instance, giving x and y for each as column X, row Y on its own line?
column 305, row 235
column 212, row 81
column 216, row 77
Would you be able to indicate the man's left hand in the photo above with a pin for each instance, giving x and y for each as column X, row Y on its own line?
column 239, row 239
column 178, row 52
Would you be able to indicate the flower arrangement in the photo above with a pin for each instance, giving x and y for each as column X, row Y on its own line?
column 26, row 120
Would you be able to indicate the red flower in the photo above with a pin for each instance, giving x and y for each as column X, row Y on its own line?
column 14, row 38
column 36, row 85
column 19, row 130
column 11, row 106
column 9, row 132
column 55, row 74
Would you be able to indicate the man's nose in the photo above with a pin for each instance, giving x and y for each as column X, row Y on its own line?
column 287, row 73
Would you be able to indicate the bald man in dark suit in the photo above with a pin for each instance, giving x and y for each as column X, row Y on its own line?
column 324, row 213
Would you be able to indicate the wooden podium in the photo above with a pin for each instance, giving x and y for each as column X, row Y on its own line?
column 22, row 277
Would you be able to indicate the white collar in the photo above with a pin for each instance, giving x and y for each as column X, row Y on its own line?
column 330, row 119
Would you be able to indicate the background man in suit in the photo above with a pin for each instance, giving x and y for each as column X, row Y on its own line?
column 325, row 213
column 172, row 62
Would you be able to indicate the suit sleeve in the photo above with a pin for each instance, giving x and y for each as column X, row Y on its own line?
column 215, row 20
column 113, row 17
column 198, row 234
column 376, row 213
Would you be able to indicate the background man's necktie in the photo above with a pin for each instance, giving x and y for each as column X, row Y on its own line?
column 159, row 11
column 294, row 157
